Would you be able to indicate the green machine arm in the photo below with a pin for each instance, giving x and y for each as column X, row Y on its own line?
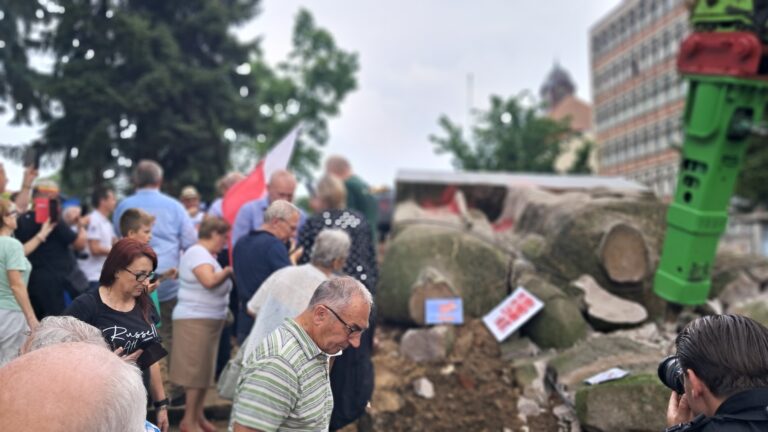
column 727, row 97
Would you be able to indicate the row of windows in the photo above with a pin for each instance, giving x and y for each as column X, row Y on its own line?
column 656, row 50
column 662, row 179
column 642, row 142
column 631, row 22
column 649, row 97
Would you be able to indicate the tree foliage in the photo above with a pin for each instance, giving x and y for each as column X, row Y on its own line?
column 753, row 179
column 508, row 137
column 580, row 163
column 307, row 88
column 167, row 80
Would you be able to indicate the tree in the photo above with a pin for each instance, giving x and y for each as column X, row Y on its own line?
column 507, row 137
column 753, row 179
column 581, row 160
column 307, row 88
column 168, row 80
column 19, row 82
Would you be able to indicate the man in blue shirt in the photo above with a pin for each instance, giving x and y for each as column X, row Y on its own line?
column 281, row 186
column 259, row 254
column 172, row 233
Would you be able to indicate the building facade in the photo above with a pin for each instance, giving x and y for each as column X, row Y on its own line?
column 638, row 95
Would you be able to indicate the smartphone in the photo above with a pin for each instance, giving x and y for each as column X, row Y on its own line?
column 31, row 158
column 45, row 209
column 152, row 352
column 53, row 210
column 42, row 210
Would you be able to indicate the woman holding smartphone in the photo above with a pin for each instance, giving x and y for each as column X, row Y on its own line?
column 122, row 310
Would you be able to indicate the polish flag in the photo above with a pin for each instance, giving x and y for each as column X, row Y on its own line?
column 254, row 186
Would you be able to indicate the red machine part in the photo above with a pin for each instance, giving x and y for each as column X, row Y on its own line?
column 727, row 53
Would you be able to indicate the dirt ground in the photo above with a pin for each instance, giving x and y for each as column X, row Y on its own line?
column 474, row 388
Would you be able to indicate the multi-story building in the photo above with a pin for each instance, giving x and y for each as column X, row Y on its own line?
column 638, row 95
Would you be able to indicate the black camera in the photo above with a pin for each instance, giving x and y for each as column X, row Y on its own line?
column 671, row 374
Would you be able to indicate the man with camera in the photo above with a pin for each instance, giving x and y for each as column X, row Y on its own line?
column 720, row 376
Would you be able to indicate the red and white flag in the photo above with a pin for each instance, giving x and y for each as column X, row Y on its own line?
column 255, row 185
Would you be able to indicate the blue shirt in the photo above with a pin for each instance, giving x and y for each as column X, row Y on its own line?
column 251, row 216
column 172, row 233
column 255, row 257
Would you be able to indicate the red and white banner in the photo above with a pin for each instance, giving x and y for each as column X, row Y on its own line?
column 512, row 313
column 255, row 185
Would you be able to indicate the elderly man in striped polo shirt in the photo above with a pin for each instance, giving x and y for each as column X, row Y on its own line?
column 284, row 384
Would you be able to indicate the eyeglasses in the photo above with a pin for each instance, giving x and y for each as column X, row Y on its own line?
column 350, row 329
column 292, row 227
column 141, row 277
column 13, row 212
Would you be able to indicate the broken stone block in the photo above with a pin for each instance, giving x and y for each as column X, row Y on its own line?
column 742, row 288
column 607, row 311
column 514, row 348
column 755, row 308
column 424, row 388
column 636, row 403
column 527, row 408
column 560, row 323
column 600, row 353
column 426, row 345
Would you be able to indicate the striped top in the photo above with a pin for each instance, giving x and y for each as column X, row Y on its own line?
column 284, row 385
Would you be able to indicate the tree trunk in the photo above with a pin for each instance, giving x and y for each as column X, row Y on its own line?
column 614, row 237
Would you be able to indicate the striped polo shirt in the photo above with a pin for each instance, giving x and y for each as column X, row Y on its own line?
column 284, row 385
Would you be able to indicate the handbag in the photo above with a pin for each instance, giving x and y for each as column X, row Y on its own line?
column 230, row 374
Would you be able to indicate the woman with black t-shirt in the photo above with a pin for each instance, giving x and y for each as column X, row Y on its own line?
column 123, row 311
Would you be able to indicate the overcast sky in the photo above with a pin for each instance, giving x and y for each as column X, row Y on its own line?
column 414, row 61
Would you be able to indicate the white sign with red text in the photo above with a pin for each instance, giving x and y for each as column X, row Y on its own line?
column 512, row 313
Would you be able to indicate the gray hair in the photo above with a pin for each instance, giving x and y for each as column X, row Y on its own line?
column 124, row 405
column 338, row 292
column 278, row 210
column 332, row 192
column 330, row 245
column 147, row 173
column 58, row 329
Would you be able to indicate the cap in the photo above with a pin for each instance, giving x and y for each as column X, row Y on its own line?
column 189, row 192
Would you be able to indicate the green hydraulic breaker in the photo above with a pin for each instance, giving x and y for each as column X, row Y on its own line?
column 720, row 115
column 727, row 97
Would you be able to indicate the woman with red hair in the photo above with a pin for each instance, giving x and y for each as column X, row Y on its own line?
column 123, row 311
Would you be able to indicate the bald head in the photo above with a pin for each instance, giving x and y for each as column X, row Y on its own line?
column 72, row 386
column 338, row 166
column 282, row 185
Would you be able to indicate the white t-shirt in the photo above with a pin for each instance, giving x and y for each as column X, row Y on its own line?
column 285, row 294
column 100, row 229
column 194, row 300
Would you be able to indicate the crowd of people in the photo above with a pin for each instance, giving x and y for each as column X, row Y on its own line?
column 151, row 276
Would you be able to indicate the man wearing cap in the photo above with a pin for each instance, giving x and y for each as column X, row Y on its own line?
column 52, row 261
column 190, row 198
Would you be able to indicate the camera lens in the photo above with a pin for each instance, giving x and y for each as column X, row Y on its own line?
column 671, row 374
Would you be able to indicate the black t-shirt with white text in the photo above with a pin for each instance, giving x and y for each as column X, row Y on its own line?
column 120, row 329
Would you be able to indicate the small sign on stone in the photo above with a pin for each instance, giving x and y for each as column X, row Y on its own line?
column 444, row 311
column 609, row 375
column 512, row 313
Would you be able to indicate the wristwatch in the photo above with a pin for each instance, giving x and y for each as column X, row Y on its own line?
column 161, row 404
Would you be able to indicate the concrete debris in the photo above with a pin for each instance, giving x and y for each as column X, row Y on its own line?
column 424, row 388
